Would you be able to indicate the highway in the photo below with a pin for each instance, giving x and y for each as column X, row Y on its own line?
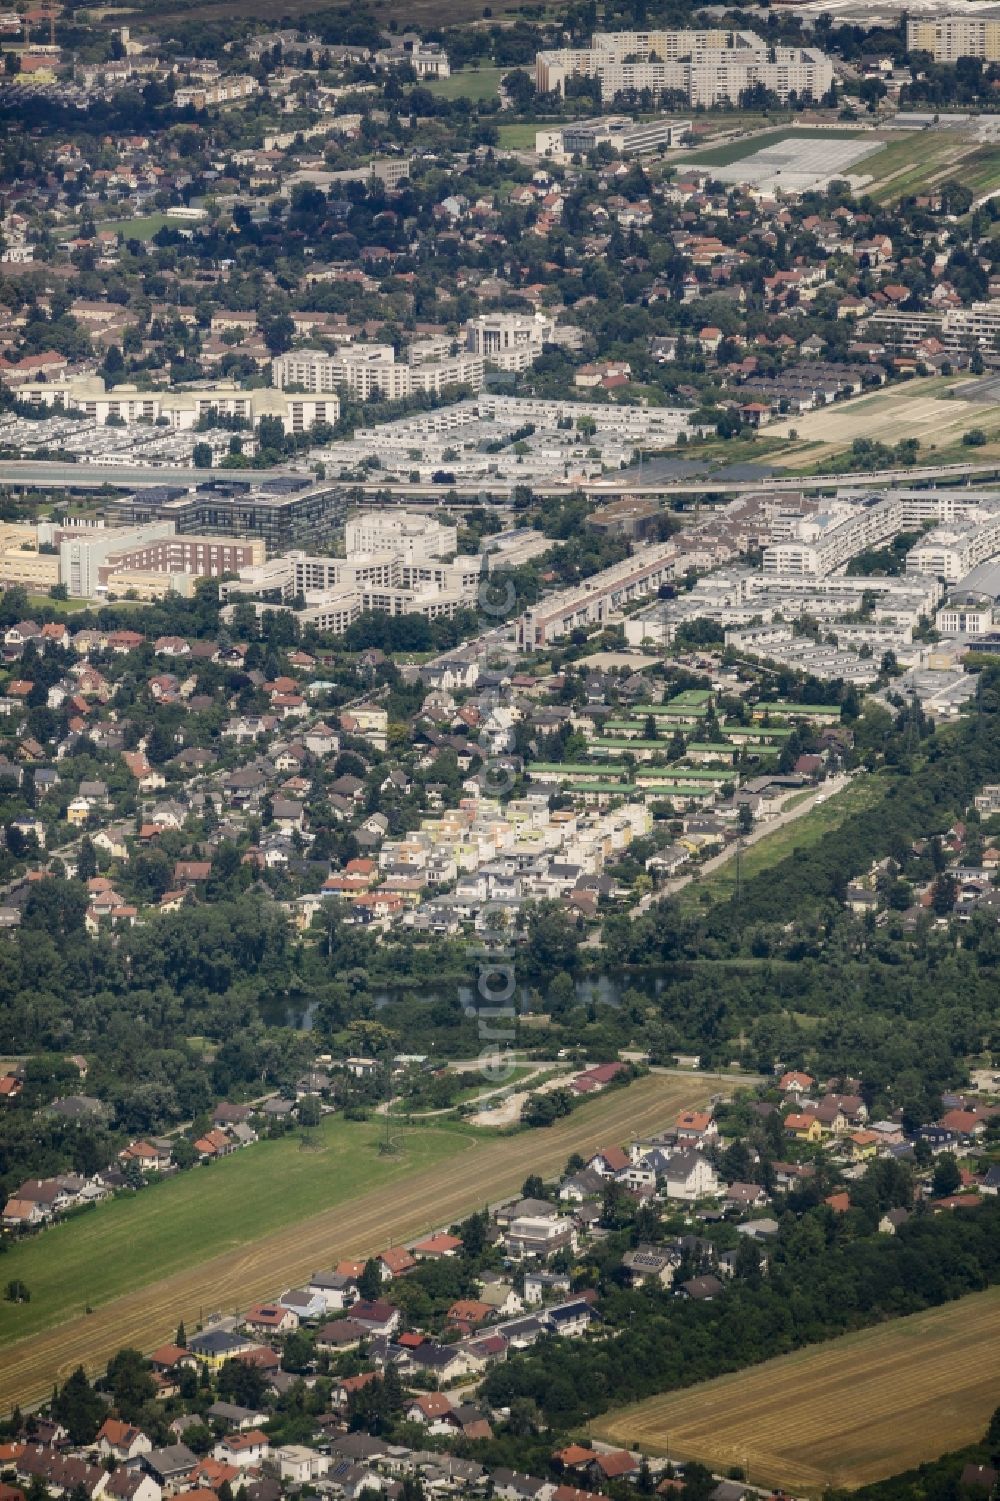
column 39, row 474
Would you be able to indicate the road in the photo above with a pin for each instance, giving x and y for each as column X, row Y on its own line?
column 826, row 790
column 33, row 473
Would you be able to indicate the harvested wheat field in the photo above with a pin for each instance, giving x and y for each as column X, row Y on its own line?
column 419, row 1198
column 841, row 1414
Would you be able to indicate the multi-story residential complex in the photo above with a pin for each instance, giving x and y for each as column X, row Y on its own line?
column 149, row 561
column 508, row 341
column 741, row 597
column 226, row 90
column 950, row 551
column 625, row 135
column 394, row 564
column 283, row 511
column 371, row 371
column 814, row 545
column 821, row 543
column 707, row 67
column 969, row 616
column 178, row 409
column 595, row 600
column 949, row 37
column 962, row 330
column 312, row 369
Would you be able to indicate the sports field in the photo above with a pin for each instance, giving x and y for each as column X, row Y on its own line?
column 840, row 1414
column 470, row 83
column 260, row 1221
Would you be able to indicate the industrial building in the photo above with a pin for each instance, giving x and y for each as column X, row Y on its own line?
column 624, row 135
column 283, row 512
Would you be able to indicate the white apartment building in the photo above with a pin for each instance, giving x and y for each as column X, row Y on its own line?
column 618, row 131
column 949, row 552
column 970, row 618
column 508, row 341
column 949, row 37
column 180, row 410
column 312, row 369
column 427, row 59
column 709, row 67
column 627, row 422
column 408, row 533
column 821, row 543
column 220, row 91
column 394, row 564
column 371, row 371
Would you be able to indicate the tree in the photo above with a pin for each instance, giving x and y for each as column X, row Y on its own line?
column 533, row 1187
column 17, row 1291
column 310, row 1111
column 78, row 1407
column 201, row 456
column 180, row 1338
column 947, row 1178
column 131, row 1380
column 86, row 860
column 298, row 1351
column 370, row 1281
column 943, row 894
column 242, row 1383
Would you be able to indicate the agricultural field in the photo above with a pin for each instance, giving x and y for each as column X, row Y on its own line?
column 840, row 1414
column 919, row 409
column 914, row 161
column 217, row 1238
column 737, row 151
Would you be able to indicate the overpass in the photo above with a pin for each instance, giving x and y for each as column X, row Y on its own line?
column 45, row 474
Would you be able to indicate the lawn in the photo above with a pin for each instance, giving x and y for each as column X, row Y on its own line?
column 476, row 84
column 143, row 228
column 60, row 606
column 132, row 1241
column 518, row 137
column 802, row 833
column 840, row 1414
column 736, row 151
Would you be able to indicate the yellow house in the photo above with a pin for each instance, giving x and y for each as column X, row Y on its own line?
column 863, row 1145
column 803, row 1127
column 78, row 811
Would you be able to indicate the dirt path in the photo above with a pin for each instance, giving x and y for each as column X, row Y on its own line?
column 486, row 1171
